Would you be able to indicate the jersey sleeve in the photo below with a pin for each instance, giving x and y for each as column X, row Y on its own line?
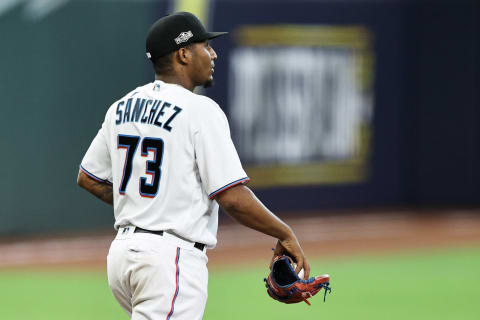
column 96, row 163
column 217, row 159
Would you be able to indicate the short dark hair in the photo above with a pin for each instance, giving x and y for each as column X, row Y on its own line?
column 163, row 65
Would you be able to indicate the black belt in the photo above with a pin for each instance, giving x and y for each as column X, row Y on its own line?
column 198, row 245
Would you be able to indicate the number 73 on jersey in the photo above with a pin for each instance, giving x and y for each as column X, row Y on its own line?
column 153, row 167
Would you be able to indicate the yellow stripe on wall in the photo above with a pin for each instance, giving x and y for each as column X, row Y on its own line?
column 357, row 37
column 197, row 7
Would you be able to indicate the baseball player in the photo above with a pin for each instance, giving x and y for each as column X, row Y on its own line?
column 165, row 160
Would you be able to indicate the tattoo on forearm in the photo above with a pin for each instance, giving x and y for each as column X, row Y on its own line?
column 102, row 191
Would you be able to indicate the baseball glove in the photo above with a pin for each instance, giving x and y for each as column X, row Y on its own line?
column 283, row 283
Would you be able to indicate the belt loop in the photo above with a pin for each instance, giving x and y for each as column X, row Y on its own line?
column 199, row 246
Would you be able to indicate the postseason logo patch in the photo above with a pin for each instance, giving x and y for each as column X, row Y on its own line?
column 183, row 37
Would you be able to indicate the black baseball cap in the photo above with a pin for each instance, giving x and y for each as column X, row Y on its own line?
column 175, row 31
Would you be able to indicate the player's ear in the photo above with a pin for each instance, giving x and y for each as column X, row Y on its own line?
column 184, row 55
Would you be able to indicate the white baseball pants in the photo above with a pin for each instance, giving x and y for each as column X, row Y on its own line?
column 157, row 277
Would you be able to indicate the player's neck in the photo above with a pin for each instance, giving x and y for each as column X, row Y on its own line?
column 175, row 79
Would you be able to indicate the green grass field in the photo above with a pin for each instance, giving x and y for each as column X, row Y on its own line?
column 441, row 284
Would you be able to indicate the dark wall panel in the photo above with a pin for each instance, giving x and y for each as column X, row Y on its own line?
column 387, row 22
column 447, row 145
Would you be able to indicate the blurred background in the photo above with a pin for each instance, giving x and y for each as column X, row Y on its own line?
column 356, row 120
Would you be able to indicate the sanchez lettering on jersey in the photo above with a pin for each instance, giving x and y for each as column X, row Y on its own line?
column 155, row 112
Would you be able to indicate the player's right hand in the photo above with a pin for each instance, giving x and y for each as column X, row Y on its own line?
column 292, row 248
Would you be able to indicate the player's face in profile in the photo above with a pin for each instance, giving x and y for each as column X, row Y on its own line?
column 204, row 63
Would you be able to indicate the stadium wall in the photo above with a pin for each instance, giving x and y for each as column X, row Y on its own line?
column 62, row 69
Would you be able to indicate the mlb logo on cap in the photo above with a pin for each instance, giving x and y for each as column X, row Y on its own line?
column 183, row 37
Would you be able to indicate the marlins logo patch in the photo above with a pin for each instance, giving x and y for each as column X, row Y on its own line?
column 183, row 37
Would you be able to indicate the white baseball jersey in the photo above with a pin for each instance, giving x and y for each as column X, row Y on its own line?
column 167, row 152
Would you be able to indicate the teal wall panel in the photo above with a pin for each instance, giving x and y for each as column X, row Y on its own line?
column 58, row 76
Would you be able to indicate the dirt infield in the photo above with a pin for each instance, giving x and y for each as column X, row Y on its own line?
column 330, row 234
